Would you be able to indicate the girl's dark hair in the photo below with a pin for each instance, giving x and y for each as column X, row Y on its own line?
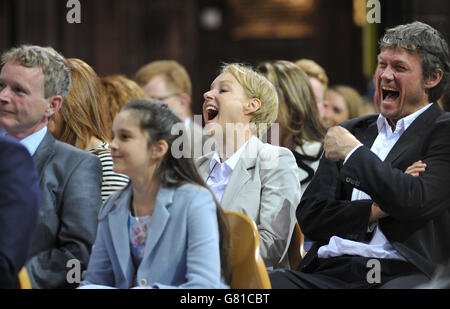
column 161, row 123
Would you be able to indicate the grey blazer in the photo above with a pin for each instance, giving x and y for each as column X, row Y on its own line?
column 264, row 186
column 70, row 181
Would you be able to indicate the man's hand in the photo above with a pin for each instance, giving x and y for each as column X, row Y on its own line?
column 416, row 168
column 376, row 213
column 338, row 143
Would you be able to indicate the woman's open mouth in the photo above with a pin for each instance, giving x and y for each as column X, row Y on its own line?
column 211, row 112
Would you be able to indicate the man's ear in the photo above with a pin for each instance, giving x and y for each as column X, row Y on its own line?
column 55, row 103
column 159, row 149
column 252, row 106
column 434, row 79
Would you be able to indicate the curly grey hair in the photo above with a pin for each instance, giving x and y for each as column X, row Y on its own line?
column 425, row 41
column 53, row 64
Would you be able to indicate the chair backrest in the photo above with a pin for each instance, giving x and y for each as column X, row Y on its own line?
column 247, row 266
column 296, row 251
column 23, row 279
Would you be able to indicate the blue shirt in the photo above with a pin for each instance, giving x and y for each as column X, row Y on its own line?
column 32, row 142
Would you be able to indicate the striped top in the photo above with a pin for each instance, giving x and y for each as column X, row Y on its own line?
column 111, row 181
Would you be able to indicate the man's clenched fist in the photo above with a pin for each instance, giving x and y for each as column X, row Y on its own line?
column 338, row 143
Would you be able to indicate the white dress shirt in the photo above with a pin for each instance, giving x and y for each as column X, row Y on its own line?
column 221, row 172
column 379, row 246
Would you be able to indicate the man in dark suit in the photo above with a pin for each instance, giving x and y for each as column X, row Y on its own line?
column 33, row 84
column 378, row 207
column 20, row 197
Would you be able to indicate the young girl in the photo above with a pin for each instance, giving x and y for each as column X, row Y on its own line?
column 165, row 229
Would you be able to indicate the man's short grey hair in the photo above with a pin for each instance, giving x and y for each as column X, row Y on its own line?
column 425, row 41
column 53, row 64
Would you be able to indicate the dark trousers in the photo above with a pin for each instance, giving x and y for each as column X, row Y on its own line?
column 349, row 272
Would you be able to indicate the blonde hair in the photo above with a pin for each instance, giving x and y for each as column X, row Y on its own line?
column 256, row 86
column 313, row 69
column 353, row 100
column 175, row 75
column 119, row 90
column 85, row 108
column 53, row 65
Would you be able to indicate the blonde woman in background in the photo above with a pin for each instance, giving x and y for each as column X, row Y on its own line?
column 342, row 103
column 119, row 90
column 301, row 129
column 318, row 79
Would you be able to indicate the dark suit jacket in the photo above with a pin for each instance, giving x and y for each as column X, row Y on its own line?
column 19, row 208
column 70, row 180
column 419, row 221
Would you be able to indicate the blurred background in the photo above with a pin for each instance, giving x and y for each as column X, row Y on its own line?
column 118, row 36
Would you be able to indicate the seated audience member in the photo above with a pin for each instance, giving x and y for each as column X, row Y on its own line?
column 377, row 206
column 34, row 81
column 20, row 198
column 168, row 81
column 83, row 122
column 318, row 79
column 245, row 174
column 300, row 129
column 343, row 103
column 165, row 229
column 119, row 90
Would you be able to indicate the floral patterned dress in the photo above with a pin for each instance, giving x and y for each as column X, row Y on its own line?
column 138, row 230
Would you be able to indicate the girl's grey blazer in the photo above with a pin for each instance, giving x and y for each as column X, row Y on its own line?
column 182, row 248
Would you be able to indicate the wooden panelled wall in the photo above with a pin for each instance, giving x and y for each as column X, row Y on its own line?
column 118, row 36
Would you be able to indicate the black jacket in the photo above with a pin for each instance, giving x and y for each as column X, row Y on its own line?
column 419, row 207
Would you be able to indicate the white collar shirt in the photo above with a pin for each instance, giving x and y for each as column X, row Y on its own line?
column 32, row 141
column 220, row 173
